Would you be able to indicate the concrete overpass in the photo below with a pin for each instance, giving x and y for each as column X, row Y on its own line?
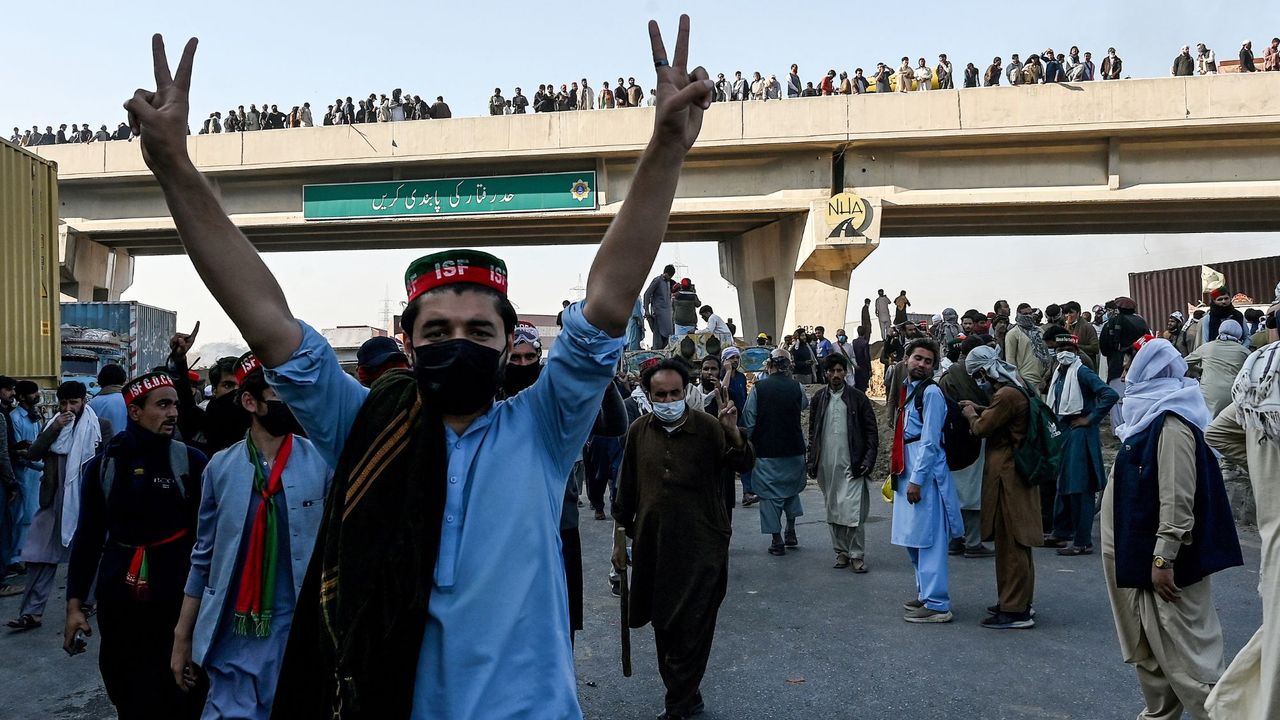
column 1195, row 154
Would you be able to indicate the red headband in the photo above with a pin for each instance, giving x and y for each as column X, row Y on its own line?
column 142, row 385
column 1137, row 344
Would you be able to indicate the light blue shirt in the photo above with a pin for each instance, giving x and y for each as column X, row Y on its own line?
column 111, row 408
column 936, row 518
column 497, row 641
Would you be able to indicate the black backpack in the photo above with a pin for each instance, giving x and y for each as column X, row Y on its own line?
column 959, row 445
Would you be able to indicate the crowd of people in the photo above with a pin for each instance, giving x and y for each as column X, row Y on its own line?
column 314, row 543
column 1047, row 66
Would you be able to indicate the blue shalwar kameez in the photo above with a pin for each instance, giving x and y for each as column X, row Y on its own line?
column 927, row 527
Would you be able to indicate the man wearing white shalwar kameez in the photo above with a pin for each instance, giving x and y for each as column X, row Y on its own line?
column 843, row 440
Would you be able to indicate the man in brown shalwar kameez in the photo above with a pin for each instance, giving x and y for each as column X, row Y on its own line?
column 670, row 503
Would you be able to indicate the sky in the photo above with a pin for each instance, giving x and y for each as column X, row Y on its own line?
column 81, row 67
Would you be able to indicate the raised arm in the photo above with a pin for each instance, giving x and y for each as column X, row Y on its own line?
column 631, row 243
column 227, row 263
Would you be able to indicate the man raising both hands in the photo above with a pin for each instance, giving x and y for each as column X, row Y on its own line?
column 402, row 613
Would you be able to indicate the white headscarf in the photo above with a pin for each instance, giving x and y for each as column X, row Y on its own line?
column 987, row 359
column 78, row 441
column 1156, row 383
column 1256, row 393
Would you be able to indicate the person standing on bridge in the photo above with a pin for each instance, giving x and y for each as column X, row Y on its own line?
column 1183, row 65
column 411, row 620
column 658, row 307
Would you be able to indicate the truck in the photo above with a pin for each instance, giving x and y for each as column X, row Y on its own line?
column 127, row 333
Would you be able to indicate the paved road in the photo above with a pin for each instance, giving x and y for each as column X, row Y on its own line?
column 799, row 639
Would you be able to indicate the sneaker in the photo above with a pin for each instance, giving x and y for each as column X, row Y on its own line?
column 912, row 605
column 979, row 551
column 925, row 615
column 1009, row 621
column 995, row 610
column 1075, row 550
column 789, row 538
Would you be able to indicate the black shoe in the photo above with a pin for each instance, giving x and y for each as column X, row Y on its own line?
column 956, row 547
column 1054, row 542
column 777, row 550
column 749, row 499
column 1009, row 621
column 995, row 610
column 979, row 551
column 615, row 587
column 789, row 538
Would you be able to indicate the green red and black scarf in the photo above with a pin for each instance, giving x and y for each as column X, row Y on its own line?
column 257, row 591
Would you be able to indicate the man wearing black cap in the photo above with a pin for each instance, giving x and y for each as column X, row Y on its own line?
column 137, row 525
column 376, row 356
column 417, row 618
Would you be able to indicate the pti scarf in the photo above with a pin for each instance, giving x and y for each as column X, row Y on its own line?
column 898, row 460
column 259, row 569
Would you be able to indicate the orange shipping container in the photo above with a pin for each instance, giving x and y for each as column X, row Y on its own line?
column 29, row 268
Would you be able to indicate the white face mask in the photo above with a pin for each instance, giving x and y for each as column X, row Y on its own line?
column 669, row 411
column 1066, row 357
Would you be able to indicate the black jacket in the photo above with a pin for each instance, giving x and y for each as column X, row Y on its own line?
column 864, row 434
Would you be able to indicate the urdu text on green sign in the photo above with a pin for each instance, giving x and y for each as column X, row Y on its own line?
column 451, row 196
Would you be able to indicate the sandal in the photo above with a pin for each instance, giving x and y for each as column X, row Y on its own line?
column 11, row 590
column 26, row 622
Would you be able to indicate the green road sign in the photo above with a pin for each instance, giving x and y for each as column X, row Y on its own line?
column 550, row 192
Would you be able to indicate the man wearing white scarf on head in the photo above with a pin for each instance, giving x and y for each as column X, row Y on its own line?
column 1247, row 432
column 68, row 441
column 1166, row 527
column 1217, row 363
column 1080, row 399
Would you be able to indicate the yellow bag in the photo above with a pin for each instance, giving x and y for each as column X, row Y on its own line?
column 886, row 490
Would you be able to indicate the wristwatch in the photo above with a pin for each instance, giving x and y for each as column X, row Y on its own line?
column 1162, row 563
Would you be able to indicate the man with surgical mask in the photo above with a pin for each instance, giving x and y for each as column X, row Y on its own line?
column 1080, row 400
column 261, row 502
column 671, row 504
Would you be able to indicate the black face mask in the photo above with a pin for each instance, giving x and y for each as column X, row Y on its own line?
column 279, row 420
column 457, row 377
column 519, row 377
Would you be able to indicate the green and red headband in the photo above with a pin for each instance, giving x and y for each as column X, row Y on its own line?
column 136, row 388
column 455, row 266
column 246, row 366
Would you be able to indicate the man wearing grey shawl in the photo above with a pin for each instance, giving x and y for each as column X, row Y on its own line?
column 1217, row 363
column 1247, row 432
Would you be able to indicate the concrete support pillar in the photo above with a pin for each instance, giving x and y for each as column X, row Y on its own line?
column 795, row 271
column 91, row 271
